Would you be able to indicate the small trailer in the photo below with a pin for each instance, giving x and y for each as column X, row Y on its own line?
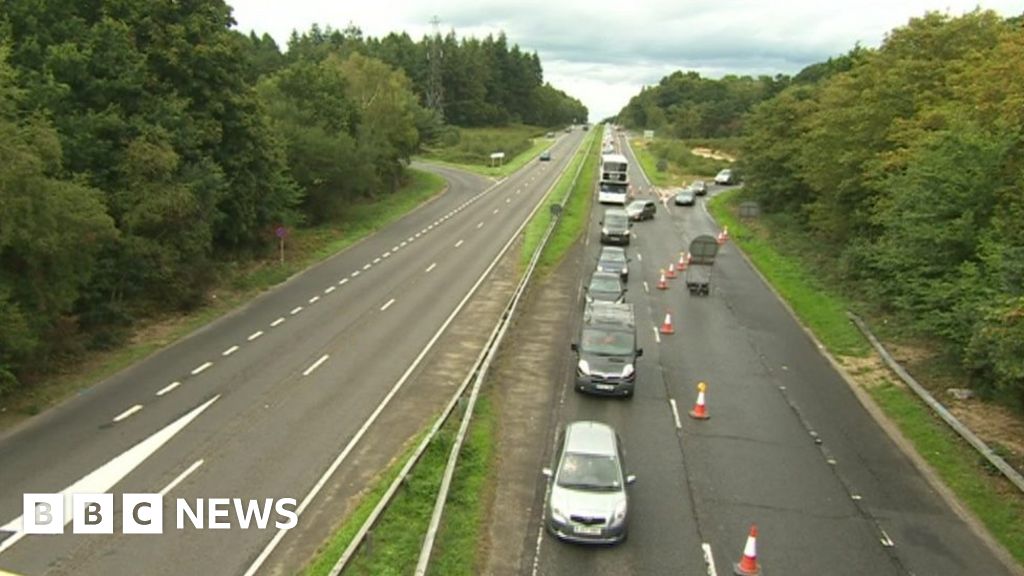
column 703, row 250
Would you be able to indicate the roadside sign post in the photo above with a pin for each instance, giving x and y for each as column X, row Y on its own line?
column 281, row 232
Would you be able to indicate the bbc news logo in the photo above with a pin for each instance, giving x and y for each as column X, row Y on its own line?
column 144, row 513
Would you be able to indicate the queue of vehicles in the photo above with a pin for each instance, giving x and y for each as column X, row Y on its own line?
column 588, row 500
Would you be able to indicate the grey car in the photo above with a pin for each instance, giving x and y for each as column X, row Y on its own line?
column 588, row 502
column 699, row 187
column 605, row 287
column 685, row 197
column 614, row 259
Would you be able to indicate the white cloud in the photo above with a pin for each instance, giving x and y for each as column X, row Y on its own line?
column 603, row 52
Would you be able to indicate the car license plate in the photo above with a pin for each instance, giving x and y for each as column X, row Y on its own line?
column 606, row 387
column 590, row 530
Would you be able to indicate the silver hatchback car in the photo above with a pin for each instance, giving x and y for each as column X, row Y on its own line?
column 587, row 501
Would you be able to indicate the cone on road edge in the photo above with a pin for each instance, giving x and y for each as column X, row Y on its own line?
column 747, row 566
column 700, row 411
column 684, row 259
column 666, row 326
column 662, row 284
column 725, row 232
column 670, row 272
column 720, row 238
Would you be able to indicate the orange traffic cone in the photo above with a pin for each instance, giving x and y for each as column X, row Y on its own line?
column 670, row 271
column 666, row 326
column 681, row 265
column 662, row 284
column 700, row 411
column 747, row 566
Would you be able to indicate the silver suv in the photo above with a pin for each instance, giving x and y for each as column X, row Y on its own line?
column 587, row 501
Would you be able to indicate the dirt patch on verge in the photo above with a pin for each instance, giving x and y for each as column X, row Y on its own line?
column 714, row 154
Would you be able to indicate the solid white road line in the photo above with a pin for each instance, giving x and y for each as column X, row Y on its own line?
column 387, row 305
column 431, row 267
column 316, row 365
column 296, row 310
column 330, row 289
column 709, row 559
column 107, row 476
column 201, row 367
column 459, row 243
column 127, row 412
column 230, row 351
column 195, row 466
column 314, row 299
column 168, row 388
column 675, row 413
column 277, row 322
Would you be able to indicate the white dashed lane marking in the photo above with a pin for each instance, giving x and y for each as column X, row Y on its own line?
column 229, row 351
column 314, row 299
column 315, row 365
column 387, row 305
column 431, row 267
column 329, row 289
column 199, row 369
column 296, row 310
column 168, row 388
column 255, row 335
column 127, row 412
column 459, row 243
column 277, row 323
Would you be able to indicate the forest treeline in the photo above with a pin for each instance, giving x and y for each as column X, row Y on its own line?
column 146, row 145
column 685, row 105
column 906, row 164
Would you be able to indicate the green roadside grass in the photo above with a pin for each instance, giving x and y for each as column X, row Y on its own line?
column 993, row 499
column 238, row 284
column 398, row 535
column 575, row 210
column 537, row 146
column 329, row 552
column 996, row 502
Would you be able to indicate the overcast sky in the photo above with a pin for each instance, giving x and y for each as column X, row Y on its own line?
column 603, row 52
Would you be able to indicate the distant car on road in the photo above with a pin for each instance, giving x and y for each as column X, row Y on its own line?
column 726, row 177
column 699, row 187
column 545, row 156
column 613, row 259
column 641, row 210
column 685, row 197
column 605, row 287
column 587, row 502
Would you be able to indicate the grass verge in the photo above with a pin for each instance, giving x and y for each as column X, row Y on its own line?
column 985, row 492
column 575, row 210
column 398, row 536
column 239, row 284
column 997, row 503
column 332, row 549
column 470, row 148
